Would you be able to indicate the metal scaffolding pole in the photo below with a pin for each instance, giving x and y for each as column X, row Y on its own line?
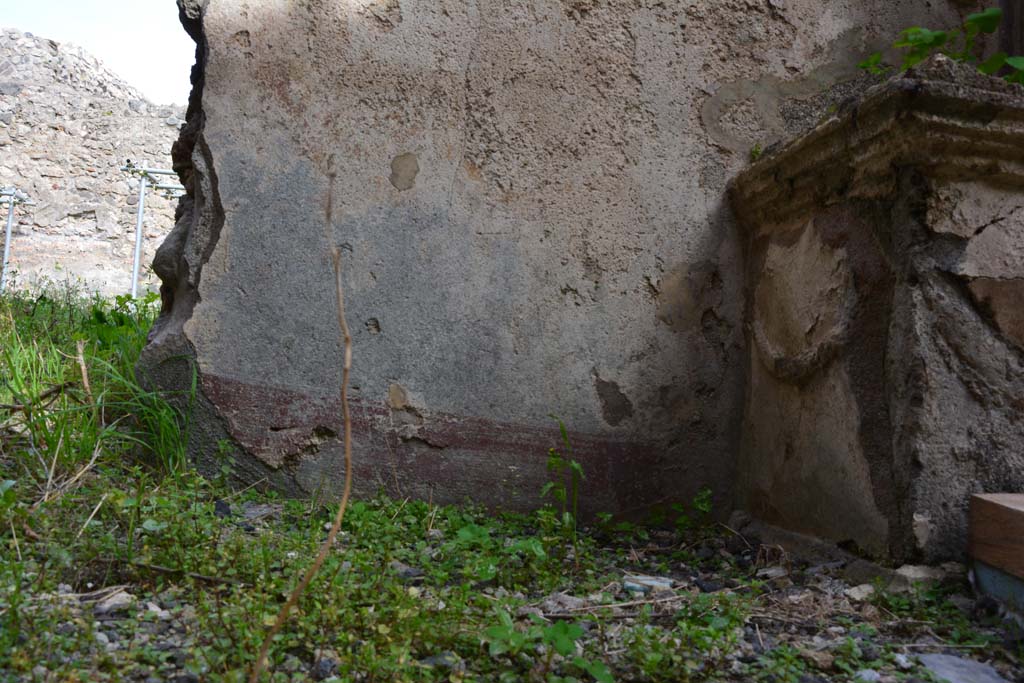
column 146, row 176
column 143, row 182
column 13, row 197
column 7, row 243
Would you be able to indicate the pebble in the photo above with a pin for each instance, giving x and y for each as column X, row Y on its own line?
column 222, row 509
column 324, row 668
column 444, row 660
column 867, row 676
column 117, row 602
column 860, row 593
column 772, row 573
column 640, row 583
column 562, row 602
column 708, row 586
column 159, row 612
column 704, row 552
column 960, row 670
column 405, row 572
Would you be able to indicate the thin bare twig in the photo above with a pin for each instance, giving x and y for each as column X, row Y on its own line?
column 565, row 616
column 399, row 510
column 85, row 468
column 632, row 603
column 247, row 488
column 94, row 511
column 49, row 393
column 736, row 533
column 85, row 370
column 70, row 484
column 282, row 616
column 430, row 522
column 965, row 646
column 181, row 572
column 14, row 534
column 53, row 467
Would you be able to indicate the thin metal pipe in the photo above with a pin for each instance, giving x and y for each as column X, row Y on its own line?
column 138, row 232
column 7, row 242
column 151, row 171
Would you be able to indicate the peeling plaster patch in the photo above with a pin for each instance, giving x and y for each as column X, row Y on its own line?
column 373, row 326
column 803, row 299
column 686, row 293
column 404, row 169
column 780, row 107
column 243, row 39
column 615, row 405
column 404, row 409
column 398, row 398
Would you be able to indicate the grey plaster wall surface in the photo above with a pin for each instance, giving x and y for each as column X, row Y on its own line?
column 530, row 199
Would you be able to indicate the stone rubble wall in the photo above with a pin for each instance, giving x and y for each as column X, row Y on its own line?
column 67, row 125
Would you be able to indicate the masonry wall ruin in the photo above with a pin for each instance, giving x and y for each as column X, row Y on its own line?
column 531, row 201
column 67, row 125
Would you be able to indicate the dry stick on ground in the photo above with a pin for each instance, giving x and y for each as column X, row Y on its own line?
column 160, row 569
column 85, row 371
column 49, row 393
column 282, row 616
column 94, row 511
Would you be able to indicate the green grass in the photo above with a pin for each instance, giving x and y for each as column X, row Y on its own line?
column 96, row 492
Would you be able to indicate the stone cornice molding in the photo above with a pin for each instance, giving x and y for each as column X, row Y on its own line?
column 942, row 118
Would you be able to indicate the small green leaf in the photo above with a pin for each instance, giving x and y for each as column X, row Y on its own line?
column 917, row 37
column 993, row 63
column 1016, row 62
column 718, row 623
column 577, row 468
column 153, row 526
column 599, row 671
column 873, row 65
column 562, row 636
column 8, row 496
column 986, row 22
column 531, row 545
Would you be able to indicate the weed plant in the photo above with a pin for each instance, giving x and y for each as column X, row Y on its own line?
column 95, row 492
column 917, row 43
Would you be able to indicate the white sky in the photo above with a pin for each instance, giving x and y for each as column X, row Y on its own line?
column 140, row 40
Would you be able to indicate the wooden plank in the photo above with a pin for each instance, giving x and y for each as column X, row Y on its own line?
column 997, row 531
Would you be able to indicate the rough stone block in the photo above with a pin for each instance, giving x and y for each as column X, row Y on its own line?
column 885, row 261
